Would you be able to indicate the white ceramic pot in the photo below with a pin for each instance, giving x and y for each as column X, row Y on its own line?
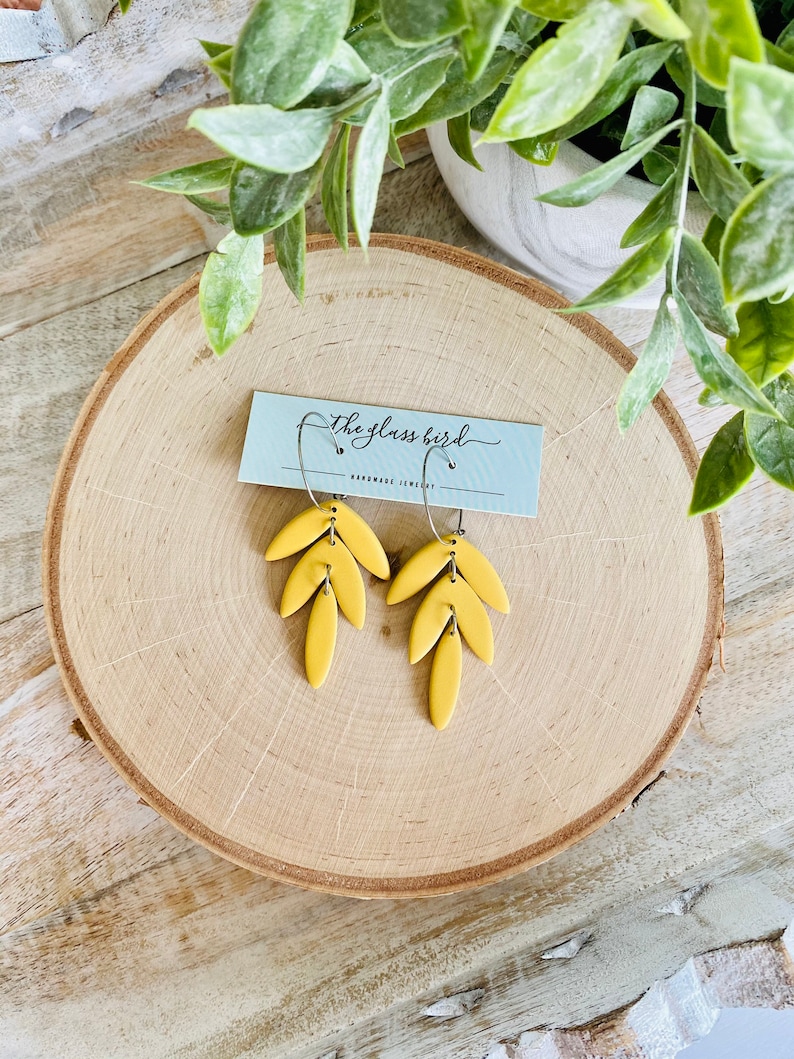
column 573, row 250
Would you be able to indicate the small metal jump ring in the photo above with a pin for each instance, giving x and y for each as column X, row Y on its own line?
column 327, row 585
column 453, row 621
column 452, row 465
column 332, row 535
column 453, row 567
column 339, row 451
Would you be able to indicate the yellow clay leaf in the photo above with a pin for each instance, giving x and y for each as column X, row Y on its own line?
column 312, row 523
column 298, row 533
column 321, row 637
column 445, row 678
column 309, row 574
column 429, row 621
column 435, row 611
column 481, row 575
column 418, row 571
column 359, row 538
column 425, row 564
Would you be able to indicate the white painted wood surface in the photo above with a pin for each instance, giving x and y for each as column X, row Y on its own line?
column 717, row 1006
column 77, row 127
column 55, row 27
column 120, row 937
column 76, row 130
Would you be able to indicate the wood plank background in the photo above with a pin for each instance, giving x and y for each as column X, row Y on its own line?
column 120, row 937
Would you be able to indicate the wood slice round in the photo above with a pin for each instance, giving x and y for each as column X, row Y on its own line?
column 164, row 613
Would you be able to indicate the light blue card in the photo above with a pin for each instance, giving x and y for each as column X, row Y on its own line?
column 497, row 463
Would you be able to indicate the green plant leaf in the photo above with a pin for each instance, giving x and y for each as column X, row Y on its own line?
column 652, row 108
column 333, row 193
column 771, row 441
column 197, row 179
column 706, row 94
column 658, row 168
column 708, row 399
column 757, row 256
column 717, row 370
column 781, row 296
column 786, row 39
column 483, row 112
column 124, row 6
column 231, row 289
column 423, row 21
column 699, row 281
column 764, row 346
column 554, row 10
column 718, row 180
column 478, row 41
column 629, row 74
column 394, row 151
column 534, row 149
column 261, row 201
column 649, row 374
column 777, row 57
column 211, row 49
column 289, row 243
column 412, row 75
column 368, row 168
column 345, row 73
column 562, row 75
column 718, row 131
column 721, row 29
column 725, row 468
column 363, row 10
column 457, row 94
column 761, row 114
column 219, row 211
column 526, row 25
column 712, row 237
column 657, row 215
column 459, row 135
column 410, row 90
column 633, row 275
column 281, row 141
column 221, row 66
column 512, row 42
column 589, row 186
column 284, row 49
column 657, row 17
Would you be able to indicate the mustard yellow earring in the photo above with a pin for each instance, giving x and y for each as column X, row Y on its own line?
column 453, row 606
column 338, row 537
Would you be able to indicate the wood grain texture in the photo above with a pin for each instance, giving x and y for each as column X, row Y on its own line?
column 172, row 950
column 348, row 789
column 46, row 372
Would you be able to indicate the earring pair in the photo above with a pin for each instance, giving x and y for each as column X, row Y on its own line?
column 339, row 539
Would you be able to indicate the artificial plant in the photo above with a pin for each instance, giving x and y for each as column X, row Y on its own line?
column 704, row 98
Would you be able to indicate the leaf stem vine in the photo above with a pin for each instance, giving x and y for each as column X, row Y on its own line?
column 683, row 168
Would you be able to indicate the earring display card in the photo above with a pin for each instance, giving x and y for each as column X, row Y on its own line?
column 497, row 463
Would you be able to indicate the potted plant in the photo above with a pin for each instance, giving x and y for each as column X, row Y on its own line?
column 694, row 95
